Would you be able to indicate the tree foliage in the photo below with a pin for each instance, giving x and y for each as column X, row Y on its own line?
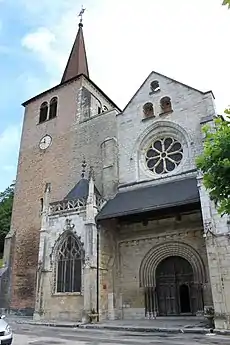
column 215, row 163
column 226, row 2
column 6, row 204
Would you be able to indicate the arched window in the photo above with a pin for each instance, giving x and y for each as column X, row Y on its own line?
column 69, row 265
column 43, row 112
column 53, row 108
column 148, row 109
column 166, row 104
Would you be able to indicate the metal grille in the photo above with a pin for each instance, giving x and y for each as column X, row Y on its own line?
column 69, row 266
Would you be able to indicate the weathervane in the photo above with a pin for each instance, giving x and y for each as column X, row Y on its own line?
column 81, row 14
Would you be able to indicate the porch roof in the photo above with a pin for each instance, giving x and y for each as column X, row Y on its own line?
column 151, row 198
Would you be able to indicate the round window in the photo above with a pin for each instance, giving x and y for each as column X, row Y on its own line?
column 164, row 155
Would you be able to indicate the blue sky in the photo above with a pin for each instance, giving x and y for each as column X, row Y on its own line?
column 186, row 40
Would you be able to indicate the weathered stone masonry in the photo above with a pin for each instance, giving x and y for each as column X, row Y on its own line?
column 118, row 216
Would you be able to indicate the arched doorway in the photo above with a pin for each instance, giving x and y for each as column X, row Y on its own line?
column 175, row 287
column 172, row 275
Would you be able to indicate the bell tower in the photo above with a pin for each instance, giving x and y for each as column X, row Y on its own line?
column 61, row 125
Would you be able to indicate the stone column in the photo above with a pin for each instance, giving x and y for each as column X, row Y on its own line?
column 90, row 269
column 111, row 309
column 217, row 238
column 38, row 312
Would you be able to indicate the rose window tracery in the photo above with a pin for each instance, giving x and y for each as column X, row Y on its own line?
column 164, row 155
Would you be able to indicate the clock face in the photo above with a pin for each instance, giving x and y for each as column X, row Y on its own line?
column 45, row 142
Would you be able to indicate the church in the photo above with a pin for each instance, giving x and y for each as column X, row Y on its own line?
column 110, row 214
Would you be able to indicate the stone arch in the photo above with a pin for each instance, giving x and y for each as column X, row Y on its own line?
column 160, row 252
column 157, row 129
column 61, row 238
column 79, row 249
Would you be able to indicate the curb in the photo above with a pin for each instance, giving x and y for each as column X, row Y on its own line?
column 146, row 329
column 119, row 328
column 48, row 324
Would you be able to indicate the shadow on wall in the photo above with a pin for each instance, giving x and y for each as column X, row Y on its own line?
column 4, row 288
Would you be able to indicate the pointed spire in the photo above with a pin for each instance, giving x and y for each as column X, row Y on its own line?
column 77, row 63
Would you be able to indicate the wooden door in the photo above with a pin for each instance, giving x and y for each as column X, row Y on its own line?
column 174, row 278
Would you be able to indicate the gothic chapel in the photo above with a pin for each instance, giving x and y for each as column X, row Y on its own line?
column 110, row 214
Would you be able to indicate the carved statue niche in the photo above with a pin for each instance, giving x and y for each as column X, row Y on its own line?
column 154, row 86
column 148, row 109
column 166, row 105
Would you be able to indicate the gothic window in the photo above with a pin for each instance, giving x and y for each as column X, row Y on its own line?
column 164, row 155
column 53, row 108
column 69, row 265
column 43, row 112
column 148, row 109
column 166, row 104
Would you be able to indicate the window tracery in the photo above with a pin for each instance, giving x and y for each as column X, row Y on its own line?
column 164, row 155
column 69, row 262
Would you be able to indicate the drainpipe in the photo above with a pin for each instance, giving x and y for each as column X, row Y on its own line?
column 98, row 278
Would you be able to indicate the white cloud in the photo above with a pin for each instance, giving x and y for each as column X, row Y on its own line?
column 125, row 41
column 42, row 44
column 9, row 146
column 9, row 142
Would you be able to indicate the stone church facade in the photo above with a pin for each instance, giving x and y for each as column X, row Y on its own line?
column 110, row 213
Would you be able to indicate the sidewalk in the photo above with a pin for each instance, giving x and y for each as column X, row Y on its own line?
column 190, row 325
column 166, row 325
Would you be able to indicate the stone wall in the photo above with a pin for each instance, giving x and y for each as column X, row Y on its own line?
column 50, row 304
column 216, row 234
column 135, row 241
column 108, row 269
column 218, row 249
column 135, row 130
column 60, row 165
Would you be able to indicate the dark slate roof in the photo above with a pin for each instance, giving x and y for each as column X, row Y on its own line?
column 80, row 190
column 77, row 63
column 162, row 196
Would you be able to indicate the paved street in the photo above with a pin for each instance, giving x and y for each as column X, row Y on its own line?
column 40, row 335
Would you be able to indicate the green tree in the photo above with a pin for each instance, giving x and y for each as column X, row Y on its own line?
column 226, row 2
column 6, row 204
column 215, row 163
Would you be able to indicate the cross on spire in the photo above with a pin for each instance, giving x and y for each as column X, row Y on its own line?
column 81, row 14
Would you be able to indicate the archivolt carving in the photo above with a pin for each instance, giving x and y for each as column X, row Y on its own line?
column 160, row 127
column 161, row 252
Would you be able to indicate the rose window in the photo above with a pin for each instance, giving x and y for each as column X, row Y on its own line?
column 164, row 155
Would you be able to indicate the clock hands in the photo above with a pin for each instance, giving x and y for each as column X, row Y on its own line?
column 45, row 142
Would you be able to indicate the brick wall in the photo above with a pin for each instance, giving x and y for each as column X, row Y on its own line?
column 59, row 165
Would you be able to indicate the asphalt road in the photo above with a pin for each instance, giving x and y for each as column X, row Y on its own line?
column 41, row 335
